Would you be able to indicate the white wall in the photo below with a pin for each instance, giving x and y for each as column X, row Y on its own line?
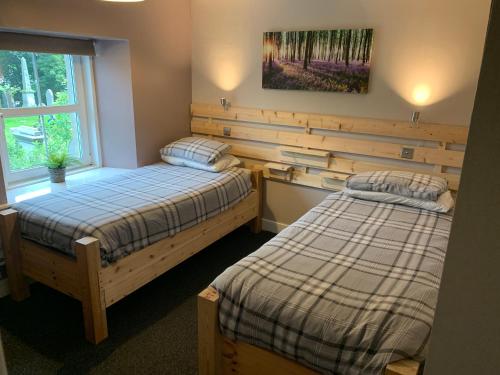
column 437, row 43
column 113, row 81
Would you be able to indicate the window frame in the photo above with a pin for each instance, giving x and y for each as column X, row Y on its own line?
column 85, row 108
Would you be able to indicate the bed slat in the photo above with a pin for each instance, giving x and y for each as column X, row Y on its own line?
column 424, row 131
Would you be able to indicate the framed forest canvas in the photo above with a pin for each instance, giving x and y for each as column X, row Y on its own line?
column 326, row 60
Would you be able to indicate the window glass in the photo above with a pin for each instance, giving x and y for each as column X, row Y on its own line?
column 46, row 107
column 31, row 139
column 36, row 80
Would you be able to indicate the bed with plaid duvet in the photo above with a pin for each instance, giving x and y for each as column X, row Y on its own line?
column 129, row 212
column 348, row 288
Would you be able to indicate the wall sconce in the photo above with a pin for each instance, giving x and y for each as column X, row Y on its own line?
column 415, row 117
column 225, row 103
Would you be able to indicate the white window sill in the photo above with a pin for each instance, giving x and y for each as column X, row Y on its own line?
column 21, row 193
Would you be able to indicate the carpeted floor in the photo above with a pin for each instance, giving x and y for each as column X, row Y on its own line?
column 152, row 331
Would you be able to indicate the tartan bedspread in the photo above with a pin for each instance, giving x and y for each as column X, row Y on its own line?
column 348, row 288
column 131, row 211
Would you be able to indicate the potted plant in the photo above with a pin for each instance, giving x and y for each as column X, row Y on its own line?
column 57, row 163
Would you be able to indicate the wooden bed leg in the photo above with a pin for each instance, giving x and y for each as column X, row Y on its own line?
column 209, row 337
column 88, row 258
column 257, row 182
column 403, row 367
column 11, row 243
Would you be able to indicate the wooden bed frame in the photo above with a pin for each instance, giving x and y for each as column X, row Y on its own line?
column 99, row 287
column 219, row 355
column 321, row 151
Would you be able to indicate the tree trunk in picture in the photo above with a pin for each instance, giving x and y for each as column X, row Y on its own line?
column 311, row 46
column 270, row 61
column 347, row 47
column 361, row 42
column 354, row 44
column 278, row 41
column 306, row 53
column 332, row 45
column 299, row 45
column 339, row 46
column 367, row 46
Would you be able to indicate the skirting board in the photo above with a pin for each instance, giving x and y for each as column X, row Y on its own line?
column 272, row 226
column 4, row 288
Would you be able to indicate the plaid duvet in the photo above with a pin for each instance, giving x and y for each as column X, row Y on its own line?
column 131, row 211
column 408, row 184
column 348, row 288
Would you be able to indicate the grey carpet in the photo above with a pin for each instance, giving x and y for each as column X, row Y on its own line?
column 152, row 331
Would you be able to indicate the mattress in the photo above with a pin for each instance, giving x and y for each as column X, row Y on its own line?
column 348, row 288
column 131, row 211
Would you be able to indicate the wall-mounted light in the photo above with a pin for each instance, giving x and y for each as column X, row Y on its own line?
column 421, row 95
column 225, row 103
column 415, row 116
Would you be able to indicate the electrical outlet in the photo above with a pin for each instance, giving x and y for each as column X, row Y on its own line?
column 407, row 153
column 227, row 132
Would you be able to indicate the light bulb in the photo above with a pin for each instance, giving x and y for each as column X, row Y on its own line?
column 421, row 94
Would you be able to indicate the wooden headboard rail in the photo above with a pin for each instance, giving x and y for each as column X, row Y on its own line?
column 304, row 148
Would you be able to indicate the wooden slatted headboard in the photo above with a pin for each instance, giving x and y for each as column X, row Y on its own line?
column 323, row 150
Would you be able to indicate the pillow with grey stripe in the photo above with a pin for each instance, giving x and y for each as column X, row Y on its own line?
column 406, row 184
column 201, row 150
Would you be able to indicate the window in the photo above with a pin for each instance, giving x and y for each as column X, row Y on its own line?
column 46, row 106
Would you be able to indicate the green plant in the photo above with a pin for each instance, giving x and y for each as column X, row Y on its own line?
column 58, row 160
column 59, row 134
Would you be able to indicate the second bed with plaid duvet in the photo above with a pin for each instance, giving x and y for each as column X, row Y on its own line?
column 347, row 289
column 129, row 212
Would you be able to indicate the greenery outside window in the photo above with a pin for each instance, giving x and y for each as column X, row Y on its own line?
column 46, row 106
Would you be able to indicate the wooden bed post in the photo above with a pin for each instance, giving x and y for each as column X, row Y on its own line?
column 11, row 243
column 88, row 258
column 257, row 184
column 209, row 337
column 403, row 367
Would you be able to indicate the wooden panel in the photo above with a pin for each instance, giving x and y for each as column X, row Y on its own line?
column 242, row 358
column 400, row 129
column 11, row 242
column 403, row 367
column 330, row 143
column 302, row 156
column 249, row 115
column 258, row 151
column 331, row 180
column 278, row 171
column 209, row 338
column 258, row 186
column 51, row 268
column 88, row 255
column 136, row 270
column 285, row 138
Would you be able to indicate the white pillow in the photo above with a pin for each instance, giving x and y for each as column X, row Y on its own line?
column 444, row 203
column 223, row 163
